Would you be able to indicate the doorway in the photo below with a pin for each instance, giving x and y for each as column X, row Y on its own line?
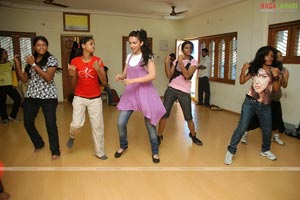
column 66, row 48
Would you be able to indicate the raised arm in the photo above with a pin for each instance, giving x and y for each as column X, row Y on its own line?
column 169, row 67
column 20, row 74
column 276, row 79
column 100, row 71
column 47, row 75
column 245, row 76
column 186, row 73
column 285, row 78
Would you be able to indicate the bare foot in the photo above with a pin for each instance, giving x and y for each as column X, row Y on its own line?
column 55, row 157
column 4, row 196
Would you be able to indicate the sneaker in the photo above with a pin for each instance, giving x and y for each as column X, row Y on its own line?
column 195, row 139
column 104, row 157
column 277, row 139
column 244, row 138
column 5, row 121
column 70, row 142
column 269, row 155
column 228, row 158
column 14, row 119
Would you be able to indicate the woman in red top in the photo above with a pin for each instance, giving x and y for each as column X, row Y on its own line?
column 86, row 68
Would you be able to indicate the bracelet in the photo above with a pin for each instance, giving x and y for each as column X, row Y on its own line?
column 33, row 65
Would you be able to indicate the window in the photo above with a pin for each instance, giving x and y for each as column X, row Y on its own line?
column 17, row 43
column 223, row 55
column 221, row 63
column 211, row 53
column 286, row 38
column 232, row 59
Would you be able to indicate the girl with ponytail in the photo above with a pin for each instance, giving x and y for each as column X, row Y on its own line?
column 140, row 94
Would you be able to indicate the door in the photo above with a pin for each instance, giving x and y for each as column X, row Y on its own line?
column 66, row 48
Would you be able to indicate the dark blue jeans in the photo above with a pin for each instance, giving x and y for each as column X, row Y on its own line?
column 12, row 93
column 31, row 108
column 122, row 129
column 249, row 109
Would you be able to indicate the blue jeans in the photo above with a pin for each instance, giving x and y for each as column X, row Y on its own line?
column 122, row 129
column 249, row 109
column 31, row 108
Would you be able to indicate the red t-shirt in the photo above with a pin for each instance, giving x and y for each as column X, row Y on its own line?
column 87, row 84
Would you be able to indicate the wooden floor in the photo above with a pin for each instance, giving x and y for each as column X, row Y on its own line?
column 186, row 171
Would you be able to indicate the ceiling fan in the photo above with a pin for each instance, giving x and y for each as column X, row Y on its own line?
column 51, row 2
column 174, row 13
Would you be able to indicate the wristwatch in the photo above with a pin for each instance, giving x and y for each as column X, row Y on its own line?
column 33, row 65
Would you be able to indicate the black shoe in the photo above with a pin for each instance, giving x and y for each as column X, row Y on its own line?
column 199, row 104
column 160, row 138
column 155, row 160
column 195, row 139
column 119, row 154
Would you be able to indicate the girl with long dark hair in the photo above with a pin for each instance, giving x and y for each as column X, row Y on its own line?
column 41, row 93
column 264, row 73
column 140, row 94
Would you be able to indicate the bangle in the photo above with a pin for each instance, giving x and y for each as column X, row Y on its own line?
column 33, row 65
column 275, row 78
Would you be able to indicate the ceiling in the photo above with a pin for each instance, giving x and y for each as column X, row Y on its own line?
column 137, row 8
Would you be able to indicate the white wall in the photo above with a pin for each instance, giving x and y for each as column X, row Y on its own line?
column 107, row 32
column 251, row 24
column 244, row 18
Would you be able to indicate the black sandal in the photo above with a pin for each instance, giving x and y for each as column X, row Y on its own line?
column 119, row 154
column 155, row 160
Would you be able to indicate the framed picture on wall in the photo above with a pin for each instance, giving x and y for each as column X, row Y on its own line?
column 76, row 22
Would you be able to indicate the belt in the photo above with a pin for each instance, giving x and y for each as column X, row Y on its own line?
column 89, row 97
column 251, row 98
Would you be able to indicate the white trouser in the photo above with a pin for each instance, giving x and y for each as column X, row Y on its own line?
column 94, row 107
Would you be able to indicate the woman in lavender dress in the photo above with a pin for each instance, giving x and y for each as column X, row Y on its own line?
column 140, row 94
